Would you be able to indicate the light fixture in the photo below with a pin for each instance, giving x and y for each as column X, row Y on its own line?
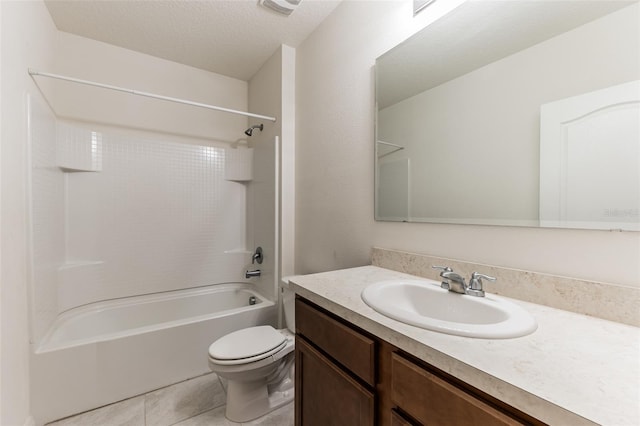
column 285, row 7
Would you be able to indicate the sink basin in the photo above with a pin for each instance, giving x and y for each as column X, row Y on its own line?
column 422, row 303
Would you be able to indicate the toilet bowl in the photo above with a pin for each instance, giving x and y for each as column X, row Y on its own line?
column 258, row 364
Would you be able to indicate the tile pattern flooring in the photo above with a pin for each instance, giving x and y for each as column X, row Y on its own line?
column 195, row 402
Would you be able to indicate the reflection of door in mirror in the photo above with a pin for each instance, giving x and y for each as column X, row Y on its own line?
column 590, row 160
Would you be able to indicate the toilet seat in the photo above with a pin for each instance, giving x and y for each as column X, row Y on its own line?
column 247, row 345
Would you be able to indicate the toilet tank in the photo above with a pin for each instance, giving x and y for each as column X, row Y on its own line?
column 288, row 303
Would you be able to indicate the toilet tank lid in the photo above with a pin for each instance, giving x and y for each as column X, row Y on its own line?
column 246, row 343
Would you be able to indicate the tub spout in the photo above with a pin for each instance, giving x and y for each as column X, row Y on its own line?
column 254, row 273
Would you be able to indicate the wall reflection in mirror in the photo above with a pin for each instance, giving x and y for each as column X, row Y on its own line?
column 522, row 113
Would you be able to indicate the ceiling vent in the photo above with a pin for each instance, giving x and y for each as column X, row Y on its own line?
column 284, row 7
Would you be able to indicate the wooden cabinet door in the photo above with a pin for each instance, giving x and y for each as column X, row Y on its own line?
column 398, row 420
column 326, row 395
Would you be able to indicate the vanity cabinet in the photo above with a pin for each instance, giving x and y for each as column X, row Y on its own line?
column 345, row 376
column 334, row 371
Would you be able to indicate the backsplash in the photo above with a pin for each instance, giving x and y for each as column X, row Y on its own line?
column 607, row 301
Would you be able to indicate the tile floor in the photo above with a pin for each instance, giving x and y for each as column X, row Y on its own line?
column 195, row 402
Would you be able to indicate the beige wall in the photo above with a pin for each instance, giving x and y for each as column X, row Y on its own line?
column 334, row 168
column 28, row 40
column 87, row 59
column 287, row 162
column 264, row 88
column 270, row 193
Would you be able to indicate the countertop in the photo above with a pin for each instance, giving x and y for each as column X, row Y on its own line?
column 572, row 370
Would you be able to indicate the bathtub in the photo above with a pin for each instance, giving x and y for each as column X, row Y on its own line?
column 108, row 351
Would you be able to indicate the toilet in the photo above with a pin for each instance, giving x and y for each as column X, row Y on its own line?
column 258, row 364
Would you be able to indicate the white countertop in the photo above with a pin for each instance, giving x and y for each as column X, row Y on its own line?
column 572, row 370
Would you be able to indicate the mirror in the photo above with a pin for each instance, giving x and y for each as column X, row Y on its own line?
column 518, row 113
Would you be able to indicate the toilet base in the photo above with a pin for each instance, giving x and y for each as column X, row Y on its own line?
column 248, row 401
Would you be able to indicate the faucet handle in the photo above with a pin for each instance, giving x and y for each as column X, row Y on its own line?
column 445, row 281
column 475, row 284
column 479, row 277
column 257, row 256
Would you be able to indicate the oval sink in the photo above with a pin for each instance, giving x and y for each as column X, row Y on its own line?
column 422, row 303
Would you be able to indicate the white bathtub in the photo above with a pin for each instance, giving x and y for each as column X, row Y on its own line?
column 108, row 351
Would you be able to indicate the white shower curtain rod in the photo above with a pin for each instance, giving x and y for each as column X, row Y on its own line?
column 149, row 95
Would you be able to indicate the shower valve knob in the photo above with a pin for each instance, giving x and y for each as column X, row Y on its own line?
column 257, row 256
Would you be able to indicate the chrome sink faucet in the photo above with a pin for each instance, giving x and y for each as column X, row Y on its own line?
column 451, row 281
column 455, row 282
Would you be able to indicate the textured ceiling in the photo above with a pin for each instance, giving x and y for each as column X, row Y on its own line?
column 229, row 37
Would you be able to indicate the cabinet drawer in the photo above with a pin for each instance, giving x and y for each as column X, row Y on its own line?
column 434, row 401
column 347, row 346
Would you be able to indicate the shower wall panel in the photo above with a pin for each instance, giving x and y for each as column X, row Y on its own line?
column 159, row 216
column 114, row 214
column 47, row 215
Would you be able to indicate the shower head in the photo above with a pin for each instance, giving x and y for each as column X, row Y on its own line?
column 249, row 131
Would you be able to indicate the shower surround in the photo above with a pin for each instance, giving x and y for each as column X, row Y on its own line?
column 117, row 214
